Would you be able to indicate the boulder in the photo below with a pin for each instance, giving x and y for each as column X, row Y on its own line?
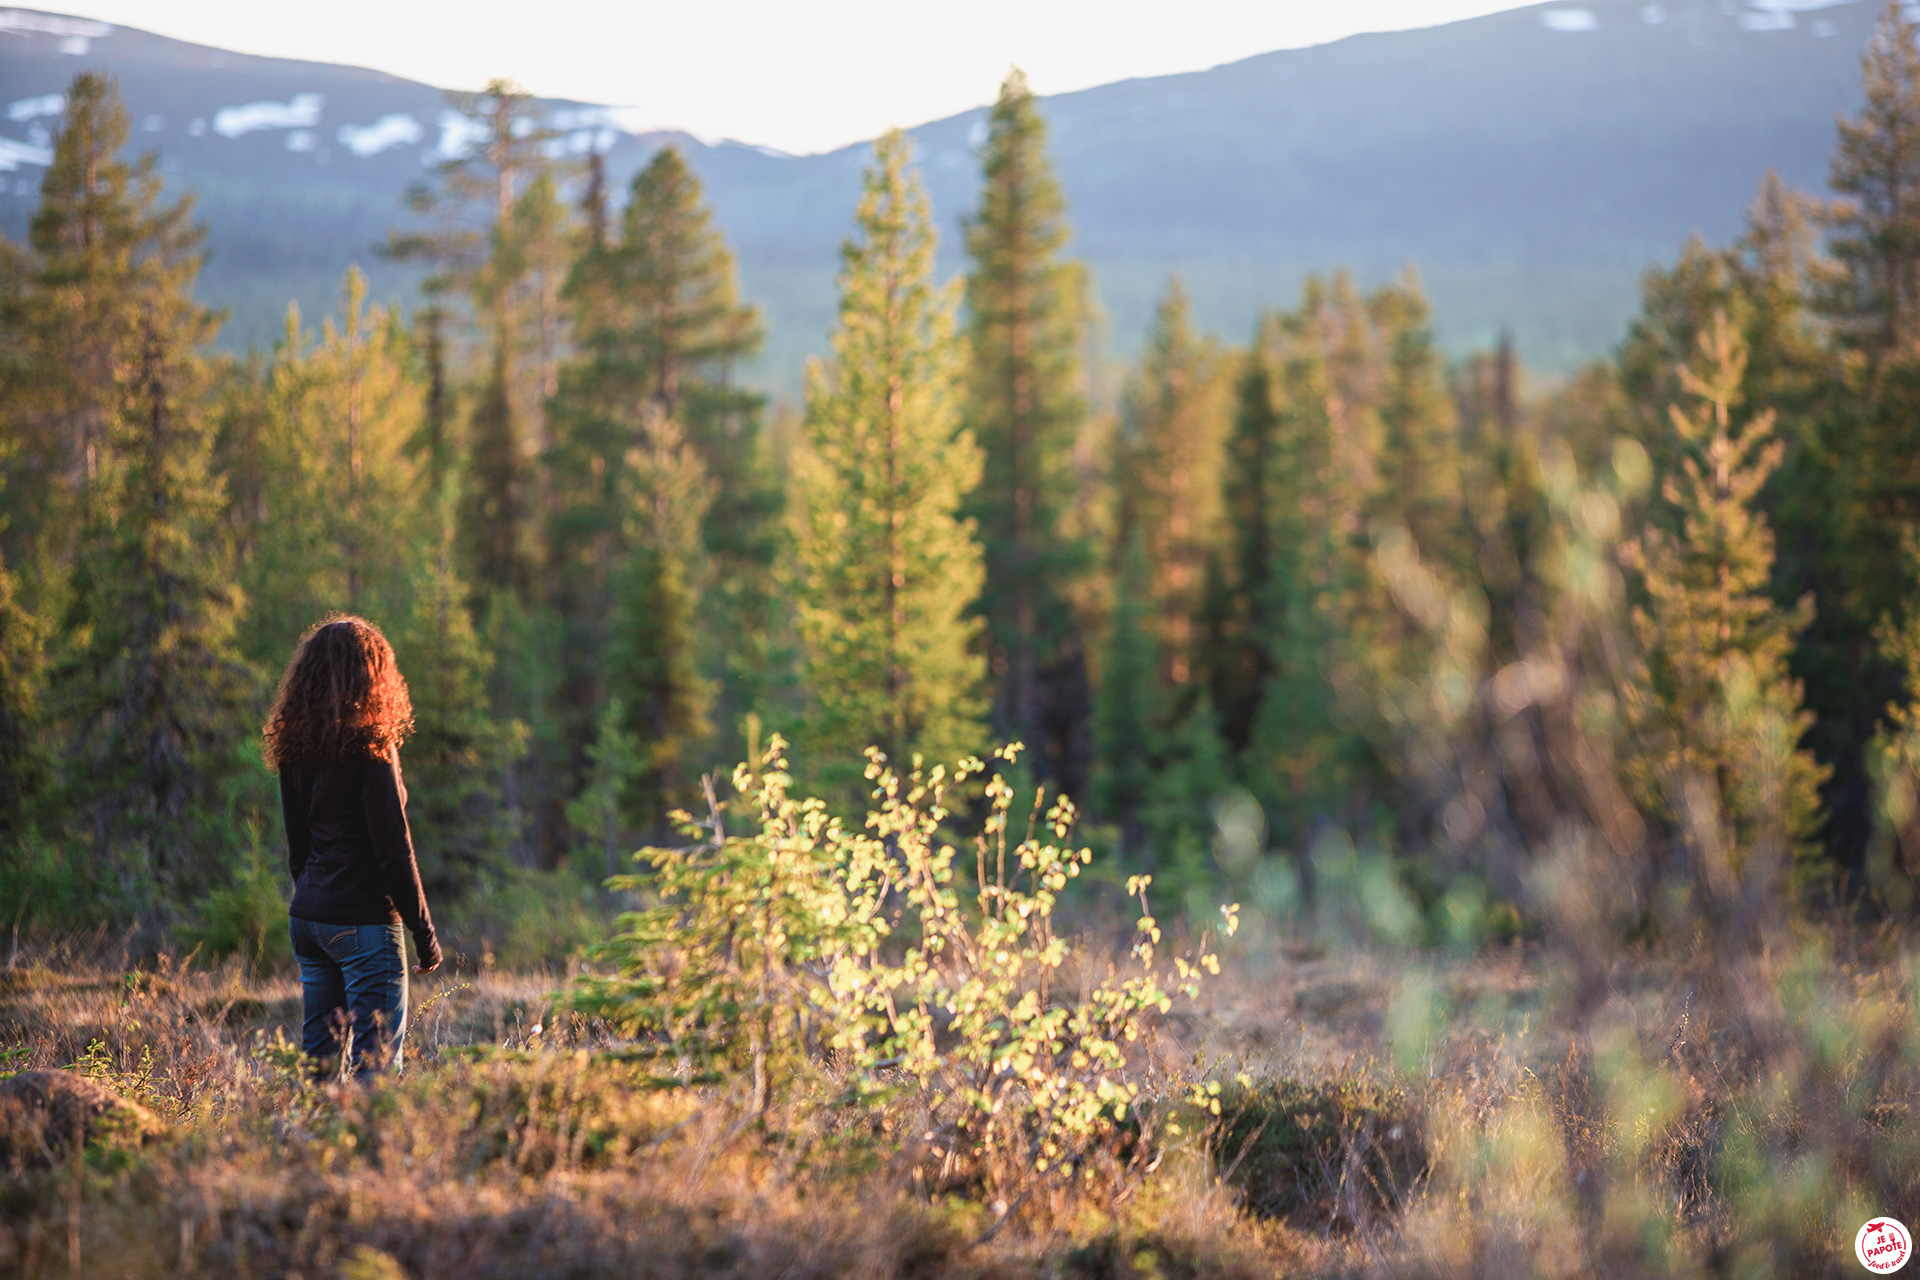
column 43, row 1112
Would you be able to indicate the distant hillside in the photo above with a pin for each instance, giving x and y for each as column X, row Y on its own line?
column 1531, row 164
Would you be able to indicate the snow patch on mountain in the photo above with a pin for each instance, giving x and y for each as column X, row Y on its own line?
column 458, row 135
column 23, row 22
column 1569, row 20
column 579, row 143
column 627, row 120
column 46, row 104
column 14, row 153
column 302, row 111
column 395, row 130
column 75, row 35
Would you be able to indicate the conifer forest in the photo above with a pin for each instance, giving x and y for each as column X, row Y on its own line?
column 1289, row 802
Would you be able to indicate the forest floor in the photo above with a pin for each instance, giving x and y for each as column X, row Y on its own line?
column 1384, row 1114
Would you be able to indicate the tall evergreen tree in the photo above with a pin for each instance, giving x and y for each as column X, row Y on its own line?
column 1129, row 709
column 493, row 498
column 100, row 237
column 651, row 668
column 152, row 695
column 1720, row 716
column 1024, row 407
column 1419, row 463
column 1876, row 224
column 1172, row 436
column 1302, row 754
column 887, row 566
column 22, row 756
column 343, row 515
column 492, row 230
column 460, row 750
column 658, row 331
column 1241, row 572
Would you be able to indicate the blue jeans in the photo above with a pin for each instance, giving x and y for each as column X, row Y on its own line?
column 352, row 975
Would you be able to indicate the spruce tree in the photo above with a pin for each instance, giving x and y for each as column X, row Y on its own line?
column 100, row 237
column 1419, row 466
column 886, row 565
column 651, row 666
column 1172, row 436
column 493, row 231
column 1720, row 717
column 460, row 751
column 432, row 446
column 1241, row 573
column 1129, row 709
column 343, row 514
column 493, row 498
column 22, row 755
column 1303, row 756
column 658, row 330
column 1024, row 407
column 22, row 758
column 152, row 696
column 1876, row 223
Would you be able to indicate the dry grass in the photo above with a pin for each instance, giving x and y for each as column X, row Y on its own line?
column 1399, row 1115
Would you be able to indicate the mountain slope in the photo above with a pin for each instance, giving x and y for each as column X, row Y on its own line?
column 1531, row 164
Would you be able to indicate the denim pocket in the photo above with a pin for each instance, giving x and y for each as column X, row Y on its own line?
column 339, row 941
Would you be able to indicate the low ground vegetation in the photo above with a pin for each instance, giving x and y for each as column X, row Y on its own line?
column 1378, row 1113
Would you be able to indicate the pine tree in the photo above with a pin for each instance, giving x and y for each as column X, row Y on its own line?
column 1781, row 270
column 492, row 519
column 460, row 751
column 341, row 520
column 1025, row 407
column 650, row 661
column 153, row 697
column 100, row 237
column 658, row 330
column 1876, row 224
column 1173, row 420
column 493, row 230
column 1241, row 575
column 1720, row 717
column 886, row 564
column 1302, row 756
column 1129, row 710
column 432, row 446
column 1845, row 488
column 22, row 757
column 1419, row 464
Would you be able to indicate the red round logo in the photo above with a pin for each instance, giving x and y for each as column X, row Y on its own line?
column 1883, row 1245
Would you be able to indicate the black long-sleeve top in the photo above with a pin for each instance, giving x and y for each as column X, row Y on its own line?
column 349, row 850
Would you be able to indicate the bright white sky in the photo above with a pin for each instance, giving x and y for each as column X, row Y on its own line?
column 801, row 75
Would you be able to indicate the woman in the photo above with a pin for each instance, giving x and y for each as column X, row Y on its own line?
column 334, row 734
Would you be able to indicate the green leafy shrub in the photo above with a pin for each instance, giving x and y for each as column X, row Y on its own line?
column 882, row 950
column 1027, row 1071
column 723, row 968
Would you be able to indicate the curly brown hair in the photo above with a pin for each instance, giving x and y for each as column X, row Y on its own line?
column 342, row 697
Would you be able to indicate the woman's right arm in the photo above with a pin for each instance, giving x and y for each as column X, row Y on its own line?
column 293, row 807
column 386, row 807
